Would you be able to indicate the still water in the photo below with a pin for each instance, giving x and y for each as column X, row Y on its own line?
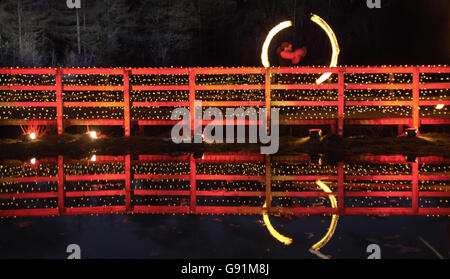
column 149, row 207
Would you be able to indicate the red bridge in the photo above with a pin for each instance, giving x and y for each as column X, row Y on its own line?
column 403, row 96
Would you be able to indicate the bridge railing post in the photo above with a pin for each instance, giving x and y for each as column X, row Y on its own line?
column 126, row 102
column 341, row 189
column 193, row 182
column 128, row 182
column 268, row 183
column 268, row 96
column 59, row 102
column 192, row 100
column 61, row 191
column 415, row 187
column 416, row 98
column 341, row 101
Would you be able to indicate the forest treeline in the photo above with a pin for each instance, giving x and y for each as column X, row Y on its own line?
column 157, row 33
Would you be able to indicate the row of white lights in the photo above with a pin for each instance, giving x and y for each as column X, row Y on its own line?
column 92, row 134
column 33, row 160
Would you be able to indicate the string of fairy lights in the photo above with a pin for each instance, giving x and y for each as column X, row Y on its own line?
column 27, row 113
column 28, row 96
column 299, row 186
column 284, row 168
column 25, row 79
column 172, row 79
column 424, row 168
column 304, row 95
column 93, row 185
column 177, row 168
column 163, row 113
column 205, row 79
column 93, row 113
column 160, row 96
column 230, row 95
column 13, row 169
column 94, row 168
column 92, row 96
column 162, row 184
column 294, row 113
column 232, row 169
column 373, row 169
column 247, row 186
column 75, row 202
column 378, row 95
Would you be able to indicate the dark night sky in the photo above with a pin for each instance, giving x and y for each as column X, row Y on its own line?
column 401, row 32
column 222, row 32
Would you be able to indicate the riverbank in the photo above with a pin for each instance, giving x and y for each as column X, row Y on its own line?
column 80, row 146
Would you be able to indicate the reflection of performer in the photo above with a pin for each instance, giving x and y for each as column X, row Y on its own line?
column 287, row 57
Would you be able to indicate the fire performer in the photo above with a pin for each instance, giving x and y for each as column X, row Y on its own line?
column 287, row 57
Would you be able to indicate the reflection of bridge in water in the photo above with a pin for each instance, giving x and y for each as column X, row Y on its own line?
column 232, row 183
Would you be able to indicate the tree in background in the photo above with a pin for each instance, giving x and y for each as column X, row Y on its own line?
column 157, row 33
column 100, row 36
column 162, row 30
column 21, row 32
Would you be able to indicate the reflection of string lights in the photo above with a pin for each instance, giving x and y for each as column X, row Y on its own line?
column 48, row 168
column 283, row 239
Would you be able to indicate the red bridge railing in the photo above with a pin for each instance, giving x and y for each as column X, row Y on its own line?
column 411, row 79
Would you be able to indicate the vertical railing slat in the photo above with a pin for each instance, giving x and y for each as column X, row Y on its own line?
column 341, row 189
column 268, row 182
column 268, row 96
column 61, row 190
column 192, row 99
column 59, row 102
column 415, row 187
column 193, row 181
column 126, row 102
column 416, row 97
column 341, row 104
column 128, row 182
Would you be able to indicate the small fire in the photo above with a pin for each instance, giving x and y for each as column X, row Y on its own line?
column 93, row 134
column 33, row 131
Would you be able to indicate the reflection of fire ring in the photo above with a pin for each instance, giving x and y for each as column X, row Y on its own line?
column 286, row 240
column 334, row 218
column 283, row 239
column 285, row 24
